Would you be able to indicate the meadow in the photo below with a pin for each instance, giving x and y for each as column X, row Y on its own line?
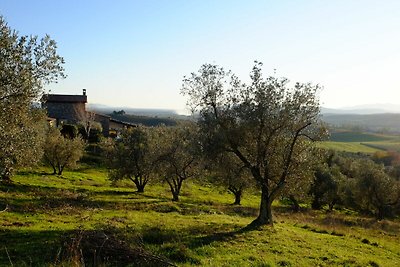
column 80, row 217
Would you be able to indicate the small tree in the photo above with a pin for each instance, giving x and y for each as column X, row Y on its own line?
column 266, row 125
column 230, row 172
column 327, row 179
column 89, row 127
column 130, row 157
column 61, row 152
column 374, row 190
column 178, row 155
column 324, row 189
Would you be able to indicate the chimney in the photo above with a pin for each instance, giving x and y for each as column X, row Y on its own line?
column 84, row 91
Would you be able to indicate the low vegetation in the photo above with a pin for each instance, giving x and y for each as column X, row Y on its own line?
column 80, row 218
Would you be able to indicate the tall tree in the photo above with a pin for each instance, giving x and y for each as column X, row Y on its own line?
column 267, row 125
column 27, row 64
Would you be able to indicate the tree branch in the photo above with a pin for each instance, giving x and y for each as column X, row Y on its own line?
column 282, row 179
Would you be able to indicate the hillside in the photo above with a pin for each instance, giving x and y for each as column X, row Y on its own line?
column 384, row 122
column 51, row 220
column 143, row 120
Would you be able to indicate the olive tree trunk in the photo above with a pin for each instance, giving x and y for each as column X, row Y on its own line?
column 140, row 183
column 265, row 215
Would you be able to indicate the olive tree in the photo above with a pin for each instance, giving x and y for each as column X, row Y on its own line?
column 266, row 124
column 130, row 157
column 373, row 190
column 27, row 64
column 61, row 152
column 230, row 172
column 327, row 180
column 178, row 155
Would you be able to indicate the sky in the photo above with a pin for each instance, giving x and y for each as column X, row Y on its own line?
column 136, row 53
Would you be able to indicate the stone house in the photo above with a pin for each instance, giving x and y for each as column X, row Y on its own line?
column 66, row 108
column 71, row 109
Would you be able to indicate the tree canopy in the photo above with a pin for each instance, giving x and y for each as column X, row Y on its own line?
column 61, row 151
column 178, row 155
column 27, row 64
column 267, row 124
column 130, row 157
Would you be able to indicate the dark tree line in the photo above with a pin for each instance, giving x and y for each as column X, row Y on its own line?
column 356, row 182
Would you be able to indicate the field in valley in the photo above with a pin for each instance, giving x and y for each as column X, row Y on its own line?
column 359, row 142
column 81, row 218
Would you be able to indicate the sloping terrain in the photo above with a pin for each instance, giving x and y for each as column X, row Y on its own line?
column 79, row 217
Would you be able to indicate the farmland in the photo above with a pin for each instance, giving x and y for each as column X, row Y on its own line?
column 361, row 142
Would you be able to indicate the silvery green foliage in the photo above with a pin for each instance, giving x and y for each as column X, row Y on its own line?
column 177, row 155
column 27, row 64
column 266, row 124
column 61, row 152
column 130, row 157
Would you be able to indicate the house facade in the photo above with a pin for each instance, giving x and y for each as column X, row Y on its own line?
column 71, row 109
column 66, row 108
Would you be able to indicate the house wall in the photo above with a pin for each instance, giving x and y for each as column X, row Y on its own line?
column 72, row 112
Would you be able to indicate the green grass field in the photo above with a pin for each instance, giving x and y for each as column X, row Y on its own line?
column 45, row 212
column 357, row 142
column 348, row 136
column 354, row 147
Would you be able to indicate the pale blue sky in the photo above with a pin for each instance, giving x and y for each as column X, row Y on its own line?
column 135, row 53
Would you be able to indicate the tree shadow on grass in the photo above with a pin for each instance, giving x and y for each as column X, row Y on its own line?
column 221, row 236
column 21, row 198
column 29, row 248
column 100, row 247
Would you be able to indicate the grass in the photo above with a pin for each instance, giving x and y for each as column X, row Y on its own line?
column 349, row 136
column 353, row 147
column 359, row 142
column 203, row 229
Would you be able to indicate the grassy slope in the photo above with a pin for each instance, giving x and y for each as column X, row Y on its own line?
column 203, row 229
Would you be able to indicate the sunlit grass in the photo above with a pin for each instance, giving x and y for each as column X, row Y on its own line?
column 353, row 147
column 202, row 229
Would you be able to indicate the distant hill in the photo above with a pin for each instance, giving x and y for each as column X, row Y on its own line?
column 143, row 120
column 385, row 122
column 364, row 109
column 152, row 112
column 359, row 111
column 366, row 117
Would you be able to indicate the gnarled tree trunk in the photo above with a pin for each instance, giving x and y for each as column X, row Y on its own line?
column 175, row 185
column 237, row 192
column 140, row 183
column 265, row 215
